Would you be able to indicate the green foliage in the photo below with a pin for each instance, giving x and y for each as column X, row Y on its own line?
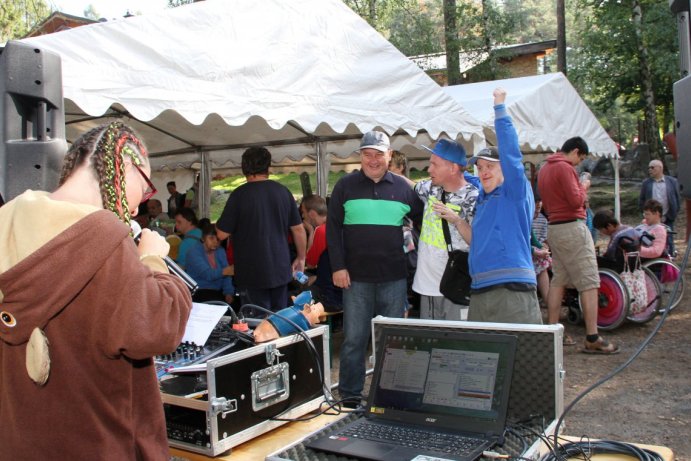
column 90, row 12
column 176, row 3
column 607, row 66
column 18, row 17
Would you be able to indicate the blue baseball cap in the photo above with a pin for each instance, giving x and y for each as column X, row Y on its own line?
column 449, row 150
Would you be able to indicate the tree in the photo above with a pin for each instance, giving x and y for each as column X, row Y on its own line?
column 90, row 12
column 18, row 17
column 453, row 69
column 627, row 49
column 176, row 3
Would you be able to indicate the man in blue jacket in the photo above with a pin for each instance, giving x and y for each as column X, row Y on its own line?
column 504, row 288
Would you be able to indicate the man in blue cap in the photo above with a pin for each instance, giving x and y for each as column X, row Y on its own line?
column 447, row 197
column 504, row 288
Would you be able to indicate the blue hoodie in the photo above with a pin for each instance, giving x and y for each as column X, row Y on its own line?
column 500, row 246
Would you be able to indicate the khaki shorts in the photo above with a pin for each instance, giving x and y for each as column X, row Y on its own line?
column 505, row 306
column 573, row 256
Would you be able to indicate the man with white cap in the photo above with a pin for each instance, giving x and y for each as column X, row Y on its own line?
column 504, row 288
column 449, row 197
column 365, row 242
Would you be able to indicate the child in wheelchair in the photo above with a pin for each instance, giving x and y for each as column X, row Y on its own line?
column 623, row 239
column 652, row 224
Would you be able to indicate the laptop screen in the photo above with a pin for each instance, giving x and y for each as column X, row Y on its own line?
column 453, row 379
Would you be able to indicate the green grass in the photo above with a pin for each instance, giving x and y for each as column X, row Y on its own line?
column 602, row 197
column 290, row 180
column 601, row 194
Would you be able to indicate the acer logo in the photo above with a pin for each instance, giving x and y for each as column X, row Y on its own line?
column 431, row 420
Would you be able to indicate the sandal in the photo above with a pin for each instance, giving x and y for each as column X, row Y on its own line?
column 568, row 341
column 600, row 347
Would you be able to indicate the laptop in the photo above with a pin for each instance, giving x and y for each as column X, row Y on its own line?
column 433, row 392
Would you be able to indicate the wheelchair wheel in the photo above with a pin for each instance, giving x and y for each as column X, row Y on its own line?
column 667, row 274
column 653, row 301
column 612, row 300
column 574, row 315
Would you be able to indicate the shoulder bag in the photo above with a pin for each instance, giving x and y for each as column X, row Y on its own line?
column 455, row 282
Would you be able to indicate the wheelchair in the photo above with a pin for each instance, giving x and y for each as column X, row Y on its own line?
column 613, row 300
column 667, row 274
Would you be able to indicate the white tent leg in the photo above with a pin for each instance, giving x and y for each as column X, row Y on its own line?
column 205, row 186
column 617, row 201
column 323, row 167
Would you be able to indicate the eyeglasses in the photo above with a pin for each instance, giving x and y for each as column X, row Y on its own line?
column 652, row 167
column 150, row 188
column 582, row 154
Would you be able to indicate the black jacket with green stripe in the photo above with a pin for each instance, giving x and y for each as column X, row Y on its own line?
column 364, row 232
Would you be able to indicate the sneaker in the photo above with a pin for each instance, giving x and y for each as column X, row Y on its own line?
column 601, row 346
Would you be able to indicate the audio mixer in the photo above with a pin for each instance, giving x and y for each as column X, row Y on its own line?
column 222, row 340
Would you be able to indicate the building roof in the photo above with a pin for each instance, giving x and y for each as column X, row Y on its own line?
column 57, row 22
column 470, row 59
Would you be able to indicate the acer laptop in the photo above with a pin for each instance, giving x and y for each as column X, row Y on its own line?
column 435, row 395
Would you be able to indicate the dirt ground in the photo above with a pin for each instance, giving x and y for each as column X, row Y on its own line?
column 650, row 400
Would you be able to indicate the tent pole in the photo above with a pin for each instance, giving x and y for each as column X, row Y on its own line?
column 322, row 169
column 617, row 201
column 205, row 186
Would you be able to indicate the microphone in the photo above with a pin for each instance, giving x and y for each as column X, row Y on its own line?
column 172, row 265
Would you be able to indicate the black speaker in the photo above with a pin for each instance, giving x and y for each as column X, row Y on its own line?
column 682, row 116
column 32, row 119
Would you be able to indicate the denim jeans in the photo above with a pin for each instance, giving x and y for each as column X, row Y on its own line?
column 362, row 302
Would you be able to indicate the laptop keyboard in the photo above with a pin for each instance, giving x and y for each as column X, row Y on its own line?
column 413, row 438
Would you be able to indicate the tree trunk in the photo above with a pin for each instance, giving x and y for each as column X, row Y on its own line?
column 489, row 43
column 561, row 37
column 652, row 136
column 453, row 67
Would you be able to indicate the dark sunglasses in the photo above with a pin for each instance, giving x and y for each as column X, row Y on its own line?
column 150, row 189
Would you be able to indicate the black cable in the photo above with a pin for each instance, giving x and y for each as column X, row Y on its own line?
column 635, row 354
column 588, row 448
column 313, row 351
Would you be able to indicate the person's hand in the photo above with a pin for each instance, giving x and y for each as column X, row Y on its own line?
column 152, row 244
column 309, row 228
column 499, row 95
column 445, row 212
column 229, row 270
column 541, row 253
column 341, row 279
column 585, row 184
column 298, row 265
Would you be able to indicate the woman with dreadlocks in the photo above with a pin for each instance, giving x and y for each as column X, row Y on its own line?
column 83, row 310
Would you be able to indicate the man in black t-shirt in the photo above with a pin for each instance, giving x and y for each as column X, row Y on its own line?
column 259, row 216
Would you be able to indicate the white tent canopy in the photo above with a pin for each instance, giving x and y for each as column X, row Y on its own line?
column 546, row 111
column 221, row 75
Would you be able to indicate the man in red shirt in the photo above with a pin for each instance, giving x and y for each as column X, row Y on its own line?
column 314, row 212
column 573, row 252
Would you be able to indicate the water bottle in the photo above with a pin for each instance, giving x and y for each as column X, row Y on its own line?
column 300, row 277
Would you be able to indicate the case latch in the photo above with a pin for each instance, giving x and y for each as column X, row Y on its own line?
column 223, row 406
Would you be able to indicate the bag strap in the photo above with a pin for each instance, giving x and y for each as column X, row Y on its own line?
column 636, row 264
column 445, row 226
